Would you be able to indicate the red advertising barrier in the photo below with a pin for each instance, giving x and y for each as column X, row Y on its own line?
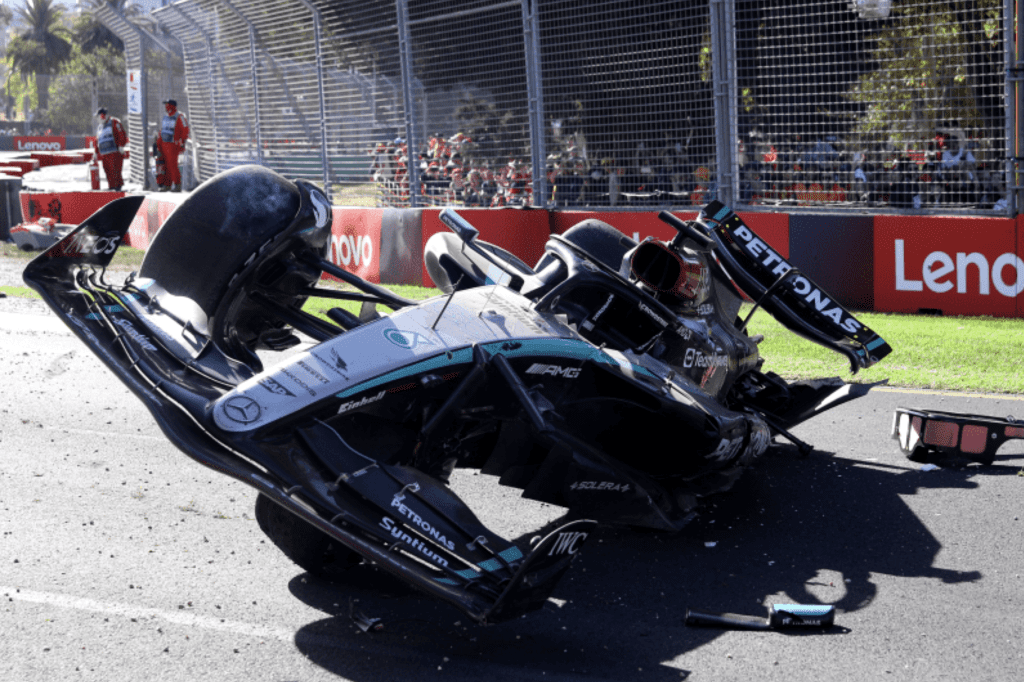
column 355, row 242
column 959, row 266
column 523, row 232
column 39, row 143
column 771, row 227
column 636, row 224
column 153, row 213
column 26, row 165
column 138, row 232
column 65, row 207
column 1020, row 250
column 60, row 158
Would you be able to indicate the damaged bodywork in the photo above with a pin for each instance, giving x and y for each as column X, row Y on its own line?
column 613, row 378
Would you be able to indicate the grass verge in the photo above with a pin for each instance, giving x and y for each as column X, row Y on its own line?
column 974, row 354
column 982, row 354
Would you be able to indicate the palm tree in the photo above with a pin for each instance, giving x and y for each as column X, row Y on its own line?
column 42, row 47
column 90, row 34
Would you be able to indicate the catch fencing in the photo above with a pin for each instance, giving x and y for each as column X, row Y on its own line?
column 778, row 105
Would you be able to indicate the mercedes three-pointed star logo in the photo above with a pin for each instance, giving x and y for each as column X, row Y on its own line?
column 242, row 409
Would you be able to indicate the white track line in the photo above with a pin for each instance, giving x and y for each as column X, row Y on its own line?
column 950, row 394
column 138, row 612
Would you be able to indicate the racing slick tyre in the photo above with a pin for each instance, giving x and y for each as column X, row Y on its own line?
column 309, row 547
column 506, row 256
column 602, row 241
column 230, row 239
column 446, row 271
column 216, row 230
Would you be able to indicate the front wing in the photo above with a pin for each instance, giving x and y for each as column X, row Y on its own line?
column 430, row 538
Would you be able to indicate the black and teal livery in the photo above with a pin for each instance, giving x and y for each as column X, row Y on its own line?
column 570, row 380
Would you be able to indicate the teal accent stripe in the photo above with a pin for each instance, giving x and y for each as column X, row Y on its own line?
column 562, row 348
column 722, row 213
column 459, row 357
column 468, row 574
column 511, row 554
column 446, row 581
column 108, row 308
column 490, row 565
column 803, row 609
column 876, row 343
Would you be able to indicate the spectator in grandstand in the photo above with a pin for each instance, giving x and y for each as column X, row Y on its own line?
column 572, row 181
column 903, row 188
column 174, row 133
column 595, row 190
column 959, row 169
column 111, row 140
column 644, row 175
column 615, row 174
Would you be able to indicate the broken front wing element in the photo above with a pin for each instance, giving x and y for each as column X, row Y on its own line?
column 788, row 295
column 921, row 433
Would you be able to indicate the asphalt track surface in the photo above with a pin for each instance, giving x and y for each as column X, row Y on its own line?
column 120, row 558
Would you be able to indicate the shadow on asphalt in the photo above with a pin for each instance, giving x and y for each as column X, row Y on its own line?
column 785, row 525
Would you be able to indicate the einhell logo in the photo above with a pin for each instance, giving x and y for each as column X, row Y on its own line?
column 39, row 144
column 962, row 272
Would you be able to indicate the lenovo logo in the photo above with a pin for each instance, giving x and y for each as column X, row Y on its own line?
column 940, row 272
column 29, row 146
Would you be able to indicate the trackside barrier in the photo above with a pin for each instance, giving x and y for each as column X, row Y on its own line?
column 520, row 231
column 899, row 264
column 932, row 264
column 65, row 207
column 956, row 266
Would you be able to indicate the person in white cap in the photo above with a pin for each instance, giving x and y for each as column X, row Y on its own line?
column 173, row 134
column 111, row 140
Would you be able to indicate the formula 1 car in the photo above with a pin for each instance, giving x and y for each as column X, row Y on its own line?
column 615, row 379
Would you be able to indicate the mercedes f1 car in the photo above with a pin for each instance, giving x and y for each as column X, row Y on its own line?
column 614, row 378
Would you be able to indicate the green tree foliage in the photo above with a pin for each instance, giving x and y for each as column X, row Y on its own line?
column 86, row 80
column 935, row 64
column 41, row 48
column 90, row 34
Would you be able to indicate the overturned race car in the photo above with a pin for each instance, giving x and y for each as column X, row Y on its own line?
column 548, row 377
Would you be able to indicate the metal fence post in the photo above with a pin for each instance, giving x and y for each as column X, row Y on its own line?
column 211, row 93
column 1014, row 10
column 723, row 61
column 255, row 80
column 319, row 57
column 535, row 95
column 123, row 29
column 405, row 57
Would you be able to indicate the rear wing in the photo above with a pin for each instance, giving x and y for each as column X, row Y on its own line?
column 788, row 295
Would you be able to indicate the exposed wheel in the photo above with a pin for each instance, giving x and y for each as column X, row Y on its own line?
column 237, row 242
column 602, row 241
column 309, row 547
column 506, row 256
column 216, row 230
column 449, row 263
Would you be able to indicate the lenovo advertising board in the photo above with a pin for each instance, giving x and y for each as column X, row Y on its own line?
column 39, row 143
column 355, row 242
column 956, row 266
